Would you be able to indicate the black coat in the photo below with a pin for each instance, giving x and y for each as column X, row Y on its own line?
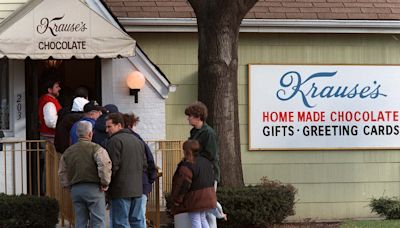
column 99, row 131
column 64, row 123
column 128, row 163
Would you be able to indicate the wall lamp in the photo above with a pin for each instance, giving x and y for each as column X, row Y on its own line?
column 135, row 81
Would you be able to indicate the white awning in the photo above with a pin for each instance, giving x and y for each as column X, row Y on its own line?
column 61, row 29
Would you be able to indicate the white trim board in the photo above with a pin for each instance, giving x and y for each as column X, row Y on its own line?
column 266, row 25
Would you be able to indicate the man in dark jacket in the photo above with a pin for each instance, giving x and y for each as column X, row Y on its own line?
column 202, row 132
column 129, row 161
column 64, row 124
column 67, row 117
column 99, row 131
column 150, row 175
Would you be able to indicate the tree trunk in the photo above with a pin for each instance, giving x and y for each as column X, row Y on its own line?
column 218, row 30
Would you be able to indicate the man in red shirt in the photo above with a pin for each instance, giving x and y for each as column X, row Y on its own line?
column 48, row 109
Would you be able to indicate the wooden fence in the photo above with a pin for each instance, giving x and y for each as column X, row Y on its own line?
column 22, row 164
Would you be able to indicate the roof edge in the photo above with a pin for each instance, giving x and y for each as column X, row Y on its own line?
column 266, row 25
column 156, row 78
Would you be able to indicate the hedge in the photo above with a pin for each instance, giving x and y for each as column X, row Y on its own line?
column 389, row 207
column 28, row 211
column 257, row 206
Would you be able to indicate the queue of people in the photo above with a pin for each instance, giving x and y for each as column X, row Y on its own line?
column 132, row 172
column 102, row 155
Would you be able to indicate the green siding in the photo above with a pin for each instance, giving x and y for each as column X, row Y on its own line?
column 331, row 184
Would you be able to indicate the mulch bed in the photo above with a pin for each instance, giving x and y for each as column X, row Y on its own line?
column 301, row 225
column 309, row 225
column 167, row 222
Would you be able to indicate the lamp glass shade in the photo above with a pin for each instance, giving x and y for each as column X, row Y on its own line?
column 135, row 80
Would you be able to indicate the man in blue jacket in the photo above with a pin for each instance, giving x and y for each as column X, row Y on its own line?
column 92, row 111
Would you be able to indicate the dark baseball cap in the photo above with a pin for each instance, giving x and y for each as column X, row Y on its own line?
column 111, row 108
column 92, row 106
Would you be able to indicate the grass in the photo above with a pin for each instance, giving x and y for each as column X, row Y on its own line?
column 371, row 224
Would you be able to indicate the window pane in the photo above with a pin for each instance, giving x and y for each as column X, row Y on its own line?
column 4, row 96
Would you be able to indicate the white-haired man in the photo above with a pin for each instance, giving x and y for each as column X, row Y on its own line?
column 85, row 168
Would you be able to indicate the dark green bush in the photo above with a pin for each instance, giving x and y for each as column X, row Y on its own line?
column 389, row 207
column 28, row 211
column 261, row 205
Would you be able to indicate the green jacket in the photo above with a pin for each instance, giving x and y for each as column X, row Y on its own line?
column 85, row 162
column 209, row 146
column 129, row 161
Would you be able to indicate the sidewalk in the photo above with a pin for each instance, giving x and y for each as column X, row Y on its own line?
column 165, row 221
column 67, row 225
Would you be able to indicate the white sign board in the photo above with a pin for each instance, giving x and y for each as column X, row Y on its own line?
column 298, row 107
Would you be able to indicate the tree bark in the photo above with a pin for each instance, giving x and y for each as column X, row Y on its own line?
column 218, row 24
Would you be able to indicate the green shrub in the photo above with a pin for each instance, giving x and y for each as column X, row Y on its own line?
column 261, row 205
column 28, row 211
column 254, row 206
column 389, row 207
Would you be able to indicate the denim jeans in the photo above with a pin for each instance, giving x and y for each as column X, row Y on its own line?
column 89, row 203
column 198, row 219
column 143, row 210
column 127, row 212
column 182, row 220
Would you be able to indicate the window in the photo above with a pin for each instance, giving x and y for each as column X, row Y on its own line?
column 4, row 95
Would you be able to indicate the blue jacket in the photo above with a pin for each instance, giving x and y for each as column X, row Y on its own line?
column 100, row 135
column 73, row 134
column 150, row 175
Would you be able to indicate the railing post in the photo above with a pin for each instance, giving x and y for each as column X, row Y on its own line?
column 158, row 209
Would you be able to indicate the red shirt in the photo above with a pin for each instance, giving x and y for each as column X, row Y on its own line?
column 43, row 100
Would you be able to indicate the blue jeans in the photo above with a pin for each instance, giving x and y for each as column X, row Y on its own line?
column 89, row 202
column 198, row 219
column 128, row 212
column 143, row 211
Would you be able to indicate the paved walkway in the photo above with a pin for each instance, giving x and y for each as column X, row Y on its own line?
column 165, row 221
column 66, row 223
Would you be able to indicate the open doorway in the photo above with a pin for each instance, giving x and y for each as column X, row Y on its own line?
column 71, row 73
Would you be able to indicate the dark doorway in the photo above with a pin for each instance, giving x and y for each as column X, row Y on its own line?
column 72, row 73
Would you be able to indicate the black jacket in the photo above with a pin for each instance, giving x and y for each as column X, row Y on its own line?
column 64, row 123
column 99, row 131
column 128, row 163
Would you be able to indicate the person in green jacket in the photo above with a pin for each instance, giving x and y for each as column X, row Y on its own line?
column 205, row 135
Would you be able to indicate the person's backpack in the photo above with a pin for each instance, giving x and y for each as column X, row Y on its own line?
column 64, row 123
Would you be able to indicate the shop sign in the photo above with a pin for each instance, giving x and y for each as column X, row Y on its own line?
column 62, row 29
column 61, row 33
column 312, row 107
column 56, row 26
